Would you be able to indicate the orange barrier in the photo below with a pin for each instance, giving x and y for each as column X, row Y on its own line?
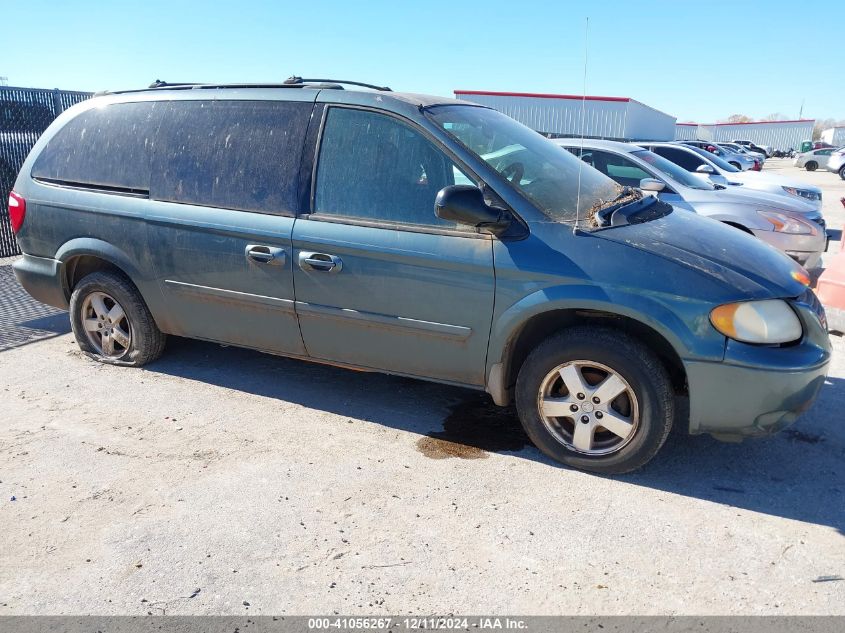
column 831, row 287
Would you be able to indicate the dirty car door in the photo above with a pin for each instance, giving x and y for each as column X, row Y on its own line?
column 382, row 282
column 224, row 190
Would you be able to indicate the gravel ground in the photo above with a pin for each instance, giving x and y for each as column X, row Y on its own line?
column 223, row 481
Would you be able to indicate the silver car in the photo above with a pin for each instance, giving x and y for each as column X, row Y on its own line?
column 709, row 166
column 739, row 161
column 739, row 149
column 764, row 149
column 836, row 162
column 786, row 225
column 813, row 159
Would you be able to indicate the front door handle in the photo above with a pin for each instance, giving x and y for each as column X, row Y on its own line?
column 322, row 262
column 265, row 254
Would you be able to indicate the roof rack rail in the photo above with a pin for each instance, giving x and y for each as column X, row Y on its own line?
column 290, row 82
column 293, row 81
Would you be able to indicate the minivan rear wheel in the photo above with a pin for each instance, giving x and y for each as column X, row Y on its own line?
column 111, row 322
column 596, row 399
column 811, row 166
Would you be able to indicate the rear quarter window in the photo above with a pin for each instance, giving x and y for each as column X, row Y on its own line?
column 240, row 155
column 105, row 147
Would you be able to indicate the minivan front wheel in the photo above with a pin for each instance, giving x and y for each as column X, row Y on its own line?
column 596, row 399
column 111, row 322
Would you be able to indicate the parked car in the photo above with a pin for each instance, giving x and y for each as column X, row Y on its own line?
column 836, row 162
column 813, row 159
column 765, row 150
column 328, row 224
column 789, row 225
column 708, row 166
column 739, row 161
column 739, row 149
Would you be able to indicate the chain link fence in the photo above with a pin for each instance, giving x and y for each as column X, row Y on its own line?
column 24, row 115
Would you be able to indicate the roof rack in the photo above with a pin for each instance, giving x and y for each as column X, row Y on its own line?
column 295, row 81
column 290, row 82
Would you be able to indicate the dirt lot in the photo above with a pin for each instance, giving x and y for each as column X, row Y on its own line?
column 220, row 480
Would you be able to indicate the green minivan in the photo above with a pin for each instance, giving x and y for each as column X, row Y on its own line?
column 384, row 231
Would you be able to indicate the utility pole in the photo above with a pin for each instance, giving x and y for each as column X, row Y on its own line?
column 801, row 111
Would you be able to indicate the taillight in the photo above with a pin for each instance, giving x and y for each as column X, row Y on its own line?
column 17, row 211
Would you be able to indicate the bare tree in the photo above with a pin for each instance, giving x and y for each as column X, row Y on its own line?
column 737, row 118
column 775, row 116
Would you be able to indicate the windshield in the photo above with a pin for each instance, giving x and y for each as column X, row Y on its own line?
column 720, row 163
column 544, row 173
column 673, row 171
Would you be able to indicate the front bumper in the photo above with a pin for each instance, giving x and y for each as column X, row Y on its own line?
column 759, row 390
column 43, row 278
column 805, row 249
column 835, row 164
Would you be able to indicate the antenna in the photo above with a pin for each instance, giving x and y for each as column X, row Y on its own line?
column 583, row 109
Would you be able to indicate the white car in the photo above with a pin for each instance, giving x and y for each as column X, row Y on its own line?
column 814, row 159
column 710, row 167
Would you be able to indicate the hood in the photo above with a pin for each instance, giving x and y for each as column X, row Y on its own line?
column 775, row 179
column 730, row 256
column 765, row 200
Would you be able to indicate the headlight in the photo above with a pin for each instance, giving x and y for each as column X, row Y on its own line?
column 803, row 193
column 770, row 321
column 783, row 223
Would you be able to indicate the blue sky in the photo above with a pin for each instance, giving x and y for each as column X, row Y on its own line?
column 699, row 61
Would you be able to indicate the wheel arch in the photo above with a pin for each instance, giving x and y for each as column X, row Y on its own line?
column 513, row 338
column 83, row 256
column 739, row 226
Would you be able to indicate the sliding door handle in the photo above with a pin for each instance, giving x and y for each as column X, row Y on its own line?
column 265, row 254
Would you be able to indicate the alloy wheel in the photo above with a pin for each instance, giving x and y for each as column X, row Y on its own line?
column 588, row 407
column 106, row 325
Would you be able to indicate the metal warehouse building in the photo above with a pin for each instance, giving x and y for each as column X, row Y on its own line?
column 776, row 134
column 619, row 118
column 686, row 131
column 834, row 136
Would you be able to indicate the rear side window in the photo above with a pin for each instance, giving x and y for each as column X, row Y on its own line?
column 622, row 170
column 682, row 158
column 107, row 147
column 374, row 167
column 241, row 155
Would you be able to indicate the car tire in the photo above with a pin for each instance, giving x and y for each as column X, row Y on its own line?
column 737, row 165
column 842, row 172
column 111, row 322
column 811, row 166
column 608, row 362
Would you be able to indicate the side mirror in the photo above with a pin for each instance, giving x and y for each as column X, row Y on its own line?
column 465, row 204
column 652, row 184
column 705, row 169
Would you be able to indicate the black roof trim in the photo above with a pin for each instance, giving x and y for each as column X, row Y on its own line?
column 294, row 81
column 290, row 82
